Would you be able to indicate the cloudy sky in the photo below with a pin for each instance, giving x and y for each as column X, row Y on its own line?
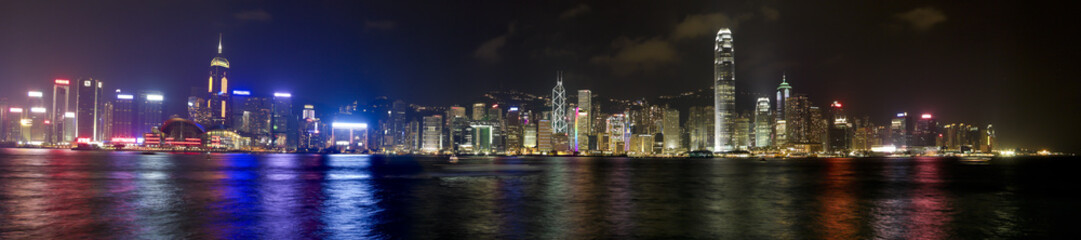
column 994, row 62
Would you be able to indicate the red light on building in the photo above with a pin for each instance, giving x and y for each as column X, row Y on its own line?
column 495, row 105
column 47, row 122
column 61, row 82
column 83, row 140
column 836, row 104
column 926, row 116
column 123, row 140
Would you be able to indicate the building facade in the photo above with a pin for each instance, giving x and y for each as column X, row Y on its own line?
column 724, row 83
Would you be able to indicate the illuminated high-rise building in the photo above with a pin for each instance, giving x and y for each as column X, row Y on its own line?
column 124, row 117
column 784, row 91
column 4, row 120
column 840, row 131
column 700, row 128
column 432, row 134
column 282, row 121
column 529, row 136
column 90, row 111
column 742, row 130
column 148, row 115
column 544, row 135
column 513, row 130
column 579, row 136
column 559, row 106
column 763, row 124
column 724, row 85
column 217, row 89
column 585, row 104
column 479, row 112
column 9, row 119
column 900, row 130
column 13, row 124
column 671, row 131
column 312, row 131
column 619, row 134
column 925, row 133
column 251, row 116
column 59, row 132
column 36, row 132
column 456, row 123
column 987, row 139
column 798, row 122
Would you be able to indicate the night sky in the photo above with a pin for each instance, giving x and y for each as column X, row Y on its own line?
column 999, row 62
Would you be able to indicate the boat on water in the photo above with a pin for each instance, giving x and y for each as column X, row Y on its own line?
column 976, row 159
column 453, row 159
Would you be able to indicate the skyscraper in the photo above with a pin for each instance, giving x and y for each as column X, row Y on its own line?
column 479, row 112
column 513, row 130
column 925, row 132
column 217, row 90
column 282, row 121
column 840, row 131
column 61, row 105
column 900, row 130
column 763, row 123
column 700, row 128
column 37, row 131
column 724, row 83
column 456, row 122
column 559, row 106
column 784, row 91
column 987, row 139
column 89, row 125
column 671, row 131
column 742, row 131
column 124, row 117
column 544, row 135
column 798, row 120
column 148, row 112
column 432, row 134
column 618, row 133
column 585, row 104
column 311, row 131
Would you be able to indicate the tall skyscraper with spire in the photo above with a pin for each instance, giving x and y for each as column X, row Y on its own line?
column 724, row 85
column 217, row 90
column 559, row 106
column 784, row 91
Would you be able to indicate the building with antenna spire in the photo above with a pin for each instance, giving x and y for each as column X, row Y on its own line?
column 559, row 106
column 724, row 87
column 216, row 109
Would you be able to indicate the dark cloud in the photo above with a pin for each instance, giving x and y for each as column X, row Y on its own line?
column 770, row 14
column 704, row 24
column 258, row 15
column 631, row 56
column 575, row 11
column 489, row 51
column 922, row 19
column 380, row 25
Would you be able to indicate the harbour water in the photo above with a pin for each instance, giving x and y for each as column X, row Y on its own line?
column 49, row 194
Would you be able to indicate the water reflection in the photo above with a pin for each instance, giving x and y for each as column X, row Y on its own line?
column 350, row 202
column 48, row 194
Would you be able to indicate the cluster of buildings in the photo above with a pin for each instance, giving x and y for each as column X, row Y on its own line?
column 79, row 111
column 83, row 113
column 499, row 123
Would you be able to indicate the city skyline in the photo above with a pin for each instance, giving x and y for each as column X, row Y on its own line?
column 879, row 105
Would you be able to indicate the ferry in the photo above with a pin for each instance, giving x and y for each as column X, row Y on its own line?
column 976, row 159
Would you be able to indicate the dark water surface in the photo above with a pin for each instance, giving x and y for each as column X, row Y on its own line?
column 46, row 194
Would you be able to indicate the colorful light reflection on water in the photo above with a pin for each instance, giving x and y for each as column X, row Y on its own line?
column 48, row 194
